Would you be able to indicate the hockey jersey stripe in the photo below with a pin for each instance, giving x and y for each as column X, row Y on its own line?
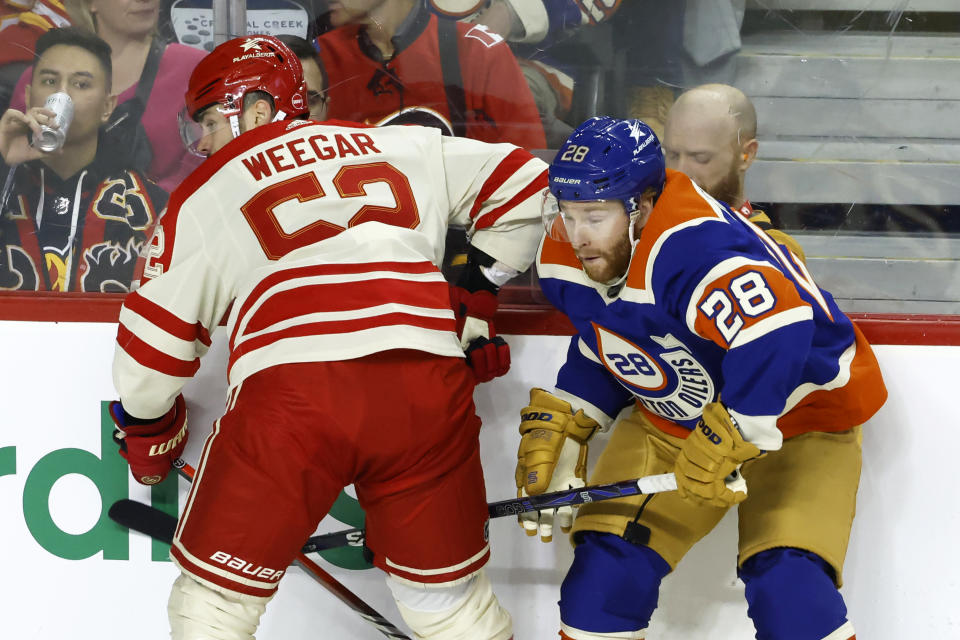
column 848, row 400
column 327, row 328
column 335, row 316
column 434, row 572
column 771, row 323
column 287, row 277
column 167, row 321
column 488, row 219
column 503, row 172
column 796, row 268
column 153, row 358
column 348, row 296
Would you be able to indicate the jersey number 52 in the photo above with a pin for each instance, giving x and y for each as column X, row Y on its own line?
column 350, row 182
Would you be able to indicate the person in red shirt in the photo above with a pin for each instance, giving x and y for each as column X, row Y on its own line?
column 393, row 61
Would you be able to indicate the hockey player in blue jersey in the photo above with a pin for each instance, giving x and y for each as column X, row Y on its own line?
column 729, row 355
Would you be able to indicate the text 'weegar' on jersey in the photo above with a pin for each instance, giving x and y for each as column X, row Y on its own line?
column 712, row 308
column 326, row 238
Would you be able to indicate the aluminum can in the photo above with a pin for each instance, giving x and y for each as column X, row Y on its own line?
column 51, row 139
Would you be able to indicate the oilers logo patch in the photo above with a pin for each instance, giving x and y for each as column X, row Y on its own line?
column 629, row 363
column 669, row 382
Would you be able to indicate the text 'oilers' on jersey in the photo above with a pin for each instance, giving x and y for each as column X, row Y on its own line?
column 326, row 239
column 711, row 309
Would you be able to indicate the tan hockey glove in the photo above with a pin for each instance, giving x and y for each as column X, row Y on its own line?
column 552, row 456
column 709, row 454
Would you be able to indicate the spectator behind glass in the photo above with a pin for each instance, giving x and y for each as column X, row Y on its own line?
column 388, row 58
column 711, row 135
column 73, row 219
column 130, row 28
column 313, row 74
column 21, row 23
column 534, row 28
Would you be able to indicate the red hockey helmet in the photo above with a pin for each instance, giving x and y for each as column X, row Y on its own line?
column 239, row 66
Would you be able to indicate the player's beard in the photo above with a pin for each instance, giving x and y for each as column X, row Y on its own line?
column 612, row 264
column 727, row 189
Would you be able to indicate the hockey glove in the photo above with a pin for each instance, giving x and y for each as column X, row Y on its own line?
column 552, row 456
column 151, row 446
column 487, row 353
column 713, row 451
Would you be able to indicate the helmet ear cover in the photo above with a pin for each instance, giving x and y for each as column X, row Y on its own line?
column 606, row 159
column 241, row 66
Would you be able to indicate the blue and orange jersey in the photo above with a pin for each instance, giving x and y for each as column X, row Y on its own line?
column 711, row 309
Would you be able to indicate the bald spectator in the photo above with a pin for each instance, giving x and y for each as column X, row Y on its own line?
column 711, row 135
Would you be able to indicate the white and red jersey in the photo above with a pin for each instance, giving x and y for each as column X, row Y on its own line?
column 326, row 239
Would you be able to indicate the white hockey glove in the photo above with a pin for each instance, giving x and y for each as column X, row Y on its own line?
column 552, row 456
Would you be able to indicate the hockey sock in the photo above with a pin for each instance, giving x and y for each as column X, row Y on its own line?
column 791, row 596
column 467, row 610
column 198, row 611
column 611, row 589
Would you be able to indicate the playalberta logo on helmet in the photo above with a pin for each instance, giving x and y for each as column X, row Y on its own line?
column 247, row 56
column 254, row 45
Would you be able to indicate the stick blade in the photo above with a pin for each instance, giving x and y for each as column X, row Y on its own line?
column 143, row 518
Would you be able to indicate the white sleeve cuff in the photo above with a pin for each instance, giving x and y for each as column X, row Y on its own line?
column 761, row 431
column 592, row 411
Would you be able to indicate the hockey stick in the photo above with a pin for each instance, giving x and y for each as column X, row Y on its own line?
column 162, row 526
column 553, row 500
column 516, row 506
column 138, row 516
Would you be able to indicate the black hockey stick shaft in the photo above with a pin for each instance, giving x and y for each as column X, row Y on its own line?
column 516, row 506
column 326, row 580
column 160, row 525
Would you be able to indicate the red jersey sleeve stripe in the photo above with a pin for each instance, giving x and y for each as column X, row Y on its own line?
column 490, row 217
column 507, row 167
column 153, row 358
column 167, row 321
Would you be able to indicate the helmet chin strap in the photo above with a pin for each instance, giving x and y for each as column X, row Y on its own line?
column 634, row 239
column 235, row 121
column 235, row 125
column 613, row 282
column 633, row 223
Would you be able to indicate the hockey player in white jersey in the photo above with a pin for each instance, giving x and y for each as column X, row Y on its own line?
column 346, row 360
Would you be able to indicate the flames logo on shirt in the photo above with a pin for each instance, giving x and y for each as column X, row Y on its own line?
column 108, row 266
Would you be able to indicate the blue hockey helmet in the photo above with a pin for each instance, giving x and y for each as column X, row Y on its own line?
column 608, row 159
